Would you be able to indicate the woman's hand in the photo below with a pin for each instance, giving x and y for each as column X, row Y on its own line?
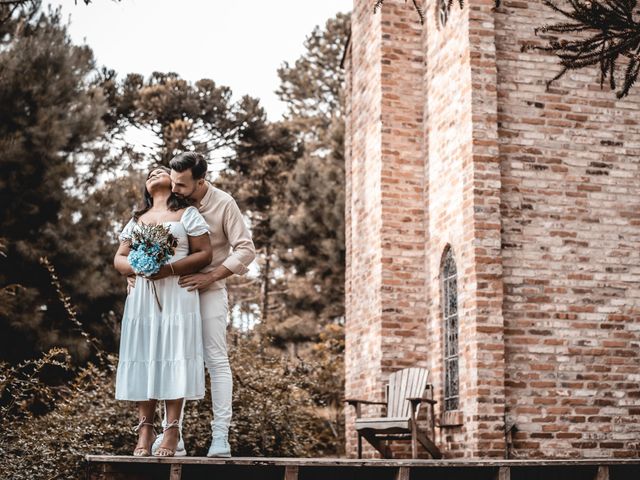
column 164, row 272
column 131, row 283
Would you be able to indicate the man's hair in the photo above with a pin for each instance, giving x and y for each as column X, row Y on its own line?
column 190, row 160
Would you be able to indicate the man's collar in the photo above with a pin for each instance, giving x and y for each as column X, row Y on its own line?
column 207, row 196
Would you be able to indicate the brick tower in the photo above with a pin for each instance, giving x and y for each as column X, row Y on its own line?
column 468, row 180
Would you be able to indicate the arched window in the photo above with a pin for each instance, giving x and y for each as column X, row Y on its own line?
column 450, row 316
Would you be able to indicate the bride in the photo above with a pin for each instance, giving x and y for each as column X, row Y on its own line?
column 161, row 342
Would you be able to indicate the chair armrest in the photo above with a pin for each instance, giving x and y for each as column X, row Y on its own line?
column 415, row 401
column 354, row 401
column 418, row 400
column 427, row 397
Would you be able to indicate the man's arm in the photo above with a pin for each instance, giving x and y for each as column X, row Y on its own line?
column 243, row 252
column 219, row 273
column 201, row 281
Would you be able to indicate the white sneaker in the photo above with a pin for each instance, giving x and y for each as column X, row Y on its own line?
column 180, row 450
column 219, row 447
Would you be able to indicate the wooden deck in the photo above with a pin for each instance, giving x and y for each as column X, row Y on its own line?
column 103, row 467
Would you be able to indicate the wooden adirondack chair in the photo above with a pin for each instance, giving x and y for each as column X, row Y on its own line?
column 406, row 390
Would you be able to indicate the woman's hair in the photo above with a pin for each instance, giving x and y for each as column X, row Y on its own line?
column 173, row 202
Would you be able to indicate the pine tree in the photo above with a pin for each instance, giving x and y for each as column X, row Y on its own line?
column 312, row 88
column 256, row 176
column 183, row 115
column 310, row 226
column 50, row 113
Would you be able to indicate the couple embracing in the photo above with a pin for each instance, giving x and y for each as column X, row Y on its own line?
column 174, row 321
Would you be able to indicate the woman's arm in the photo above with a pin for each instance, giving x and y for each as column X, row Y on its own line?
column 200, row 255
column 120, row 260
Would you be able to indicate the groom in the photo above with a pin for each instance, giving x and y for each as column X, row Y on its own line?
column 233, row 251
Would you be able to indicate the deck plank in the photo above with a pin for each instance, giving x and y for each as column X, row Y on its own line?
column 291, row 472
column 504, row 473
column 603, row 473
column 354, row 462
column 108, row 467
column 175, row 472
column 403, row 473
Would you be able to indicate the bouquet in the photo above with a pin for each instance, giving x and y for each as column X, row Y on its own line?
column 151, row 248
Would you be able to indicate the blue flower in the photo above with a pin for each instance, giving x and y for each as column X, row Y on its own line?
column 144, row 261
column 152, row 246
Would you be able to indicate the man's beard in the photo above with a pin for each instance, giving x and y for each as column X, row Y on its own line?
column 188, row 196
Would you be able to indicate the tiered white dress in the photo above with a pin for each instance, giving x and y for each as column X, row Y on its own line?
column 161, row 350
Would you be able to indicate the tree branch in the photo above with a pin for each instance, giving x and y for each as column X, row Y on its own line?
column 615, row 40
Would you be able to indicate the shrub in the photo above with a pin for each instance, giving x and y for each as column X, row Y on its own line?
column 274, row 414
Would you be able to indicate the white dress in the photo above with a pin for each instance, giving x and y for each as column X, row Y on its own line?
column 161, row 351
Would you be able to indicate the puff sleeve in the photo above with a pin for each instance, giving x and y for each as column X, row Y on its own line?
column 127, row 231
column 194, row 222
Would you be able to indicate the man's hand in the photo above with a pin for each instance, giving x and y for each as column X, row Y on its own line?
column 131, row 282
column 196, row 281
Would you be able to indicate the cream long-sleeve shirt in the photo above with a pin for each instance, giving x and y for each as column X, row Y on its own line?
column 230, row 238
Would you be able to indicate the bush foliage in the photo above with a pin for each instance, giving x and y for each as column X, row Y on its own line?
column 275, row 413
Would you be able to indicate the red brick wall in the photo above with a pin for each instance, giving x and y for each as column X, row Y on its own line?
column 463, row 202
column 449, row 165
column 363, row 213
column 489, row 321
column 386, row 300
column 452, row 140
column 402, row 186
column 571, row 251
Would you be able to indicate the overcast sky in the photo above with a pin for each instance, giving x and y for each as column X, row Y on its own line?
column 238, row 43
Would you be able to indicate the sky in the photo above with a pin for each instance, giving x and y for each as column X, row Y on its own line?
column 237, row 43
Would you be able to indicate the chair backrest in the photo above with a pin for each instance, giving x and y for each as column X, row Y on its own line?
column 409, row 382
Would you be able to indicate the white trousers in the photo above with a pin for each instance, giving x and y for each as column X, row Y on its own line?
column 213, row 310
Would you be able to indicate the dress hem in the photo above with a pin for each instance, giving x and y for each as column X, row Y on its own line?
column 159, row 399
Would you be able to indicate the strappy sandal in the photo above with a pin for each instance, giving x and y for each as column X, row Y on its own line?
column 166, row 451
column 142, row 451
